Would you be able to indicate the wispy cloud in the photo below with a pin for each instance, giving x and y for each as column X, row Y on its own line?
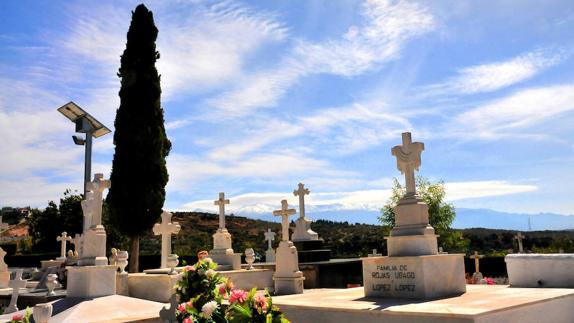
column 519, row 110
column 340, row 130
column 387, row 27
column 366, row 200
column 494, row 76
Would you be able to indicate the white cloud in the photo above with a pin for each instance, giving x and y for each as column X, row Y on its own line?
column 32, row 191
column 497, row 75
column 471, row 190
column 371, row 200
column 387, row 27
column 341, row 130
column 184, row 170
column 518, row 110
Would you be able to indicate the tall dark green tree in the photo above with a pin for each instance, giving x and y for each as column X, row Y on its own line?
column 139, row 172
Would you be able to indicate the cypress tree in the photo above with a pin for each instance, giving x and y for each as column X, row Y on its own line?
column 139, row 172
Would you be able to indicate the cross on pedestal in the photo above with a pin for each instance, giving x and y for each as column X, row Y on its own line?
column 96, row 187
column 301, row 191
column 221, row 202
column 15, row 284
column 519, row 238
column 269, row 237
column 63, row 239
column 166, row 228
column 284, row 213
column 476, row 258
column 408, row 160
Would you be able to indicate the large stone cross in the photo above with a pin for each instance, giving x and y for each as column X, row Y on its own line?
column 92, row 205
column 166, row 228
column 301, row 192
column 476, row 258
column 63, row 239
column 15, row 284
column 519, row 238
column 221, row 202
column 284, row 213
column 269, row 237
column 408, row 160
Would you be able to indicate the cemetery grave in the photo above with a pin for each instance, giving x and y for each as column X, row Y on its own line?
column 290, row 275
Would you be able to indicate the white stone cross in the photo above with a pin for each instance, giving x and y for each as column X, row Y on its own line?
column 15, row 284
column 165, row 229
column 284, row 213
column 221, row 202
column 63, row 239
column 519, row 238
column 476, row 258
column 269, row 237
column 97, row 186
column 408, row 160
column 301, row 192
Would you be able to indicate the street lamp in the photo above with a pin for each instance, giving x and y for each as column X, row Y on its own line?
column 87, row 124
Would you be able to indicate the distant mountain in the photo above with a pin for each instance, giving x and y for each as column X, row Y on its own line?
column 485, row 218
column 465, row 218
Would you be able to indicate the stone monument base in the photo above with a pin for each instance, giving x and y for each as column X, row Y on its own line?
column 91, row 281
column 421, row 277
column 540, row 270
column 288, row 278
column 289, row 285
column 226, row 257
column 153, row 287
column 415, row 245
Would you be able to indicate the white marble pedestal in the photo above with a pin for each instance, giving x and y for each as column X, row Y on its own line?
column 420, row 277
column 288, row 278
column 93, row 247
column 222, row 253
column 153, row 287
column 91, row 281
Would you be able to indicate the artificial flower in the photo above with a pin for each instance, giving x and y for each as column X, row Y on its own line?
column 261, row 302
column 208, row 308
column 238, row 296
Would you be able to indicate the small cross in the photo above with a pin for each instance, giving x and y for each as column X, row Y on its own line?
column 301, row 192
column 269, row 237
column 519, row 238
column 476, row 258
column 284, row 213
column 221, row 202
column 63, row 239
column 16, row 284
column 165, row 229
column 408, row 160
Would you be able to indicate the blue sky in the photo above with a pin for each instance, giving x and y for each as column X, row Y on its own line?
column 261, row 95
